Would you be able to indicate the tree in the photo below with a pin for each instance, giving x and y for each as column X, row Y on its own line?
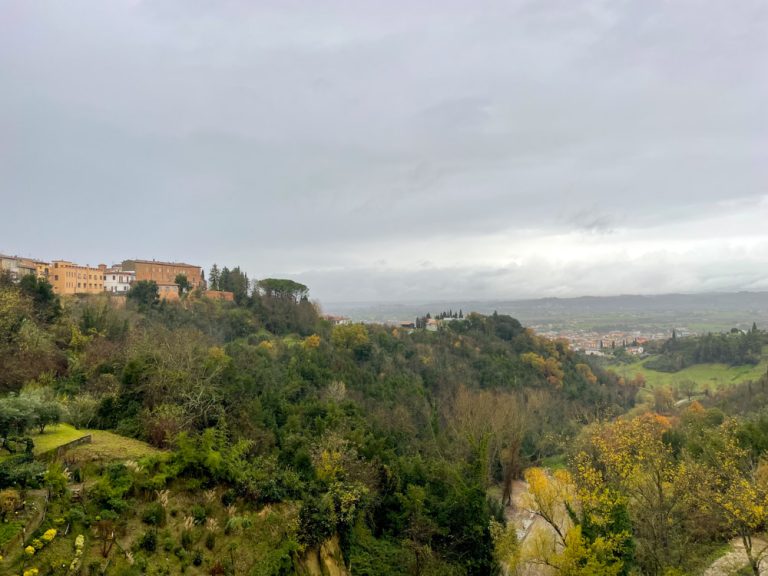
column 213, row 278
column 16, row 417
column 235, row 281
column 631, row 459
column 45, row 301
column 688, row 387
column 282, row 289
column 183, row 284
column 562, row 544
column 46, row 412
column 145, row 293
column 490, row 425
column 224, row 280
column 738, row 491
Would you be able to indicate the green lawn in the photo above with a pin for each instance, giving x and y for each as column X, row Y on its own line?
column 55, row 436
column 108, row 446
column 104, row 445
column 715, row 375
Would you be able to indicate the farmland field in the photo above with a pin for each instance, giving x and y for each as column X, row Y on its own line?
column 714, row 375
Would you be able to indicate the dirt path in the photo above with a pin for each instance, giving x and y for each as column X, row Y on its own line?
column 735, row 560
column 516, row 513
column 527, row 525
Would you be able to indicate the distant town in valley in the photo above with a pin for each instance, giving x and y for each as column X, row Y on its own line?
column 586, row 321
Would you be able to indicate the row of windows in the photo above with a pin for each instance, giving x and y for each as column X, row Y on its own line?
column 105, row 278
column 80, row 275
column 81, row 285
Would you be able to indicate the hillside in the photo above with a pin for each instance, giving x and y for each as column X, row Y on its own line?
column 264, row 423
column 254, row 437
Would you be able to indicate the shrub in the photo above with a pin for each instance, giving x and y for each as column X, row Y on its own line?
column 21, row 471
column 56, row 479
column 148, row 541
column 210, row 541
column 315, row 521
column 10, row 501
column 197, row 559
column 77, row 516
column 199, row 514
column 154, row 515
column 49, row 535
column 228, row 497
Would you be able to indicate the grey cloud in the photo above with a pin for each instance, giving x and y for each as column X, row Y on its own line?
column 295, row 136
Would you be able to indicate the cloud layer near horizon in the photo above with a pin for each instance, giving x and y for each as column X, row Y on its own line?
column 394, row 150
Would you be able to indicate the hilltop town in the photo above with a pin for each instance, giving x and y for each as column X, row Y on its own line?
column 69, row 278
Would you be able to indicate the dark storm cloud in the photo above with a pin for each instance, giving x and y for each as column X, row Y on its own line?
column 517, row 147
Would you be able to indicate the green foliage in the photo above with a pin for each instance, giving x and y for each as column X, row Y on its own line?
column 372, row 556
column 145, row 294
column 734, row 348
column 46, row 303
column 282, row 289
column 148, row 541
column 183, row 283
column 111, row 489
column 56, row 479
column 199, row 514
column 154, row 515
column 9, row 531
column 353, row 428
column 235, row 281
column 316, row 521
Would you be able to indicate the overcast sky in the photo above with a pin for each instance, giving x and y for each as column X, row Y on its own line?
column 394, row 150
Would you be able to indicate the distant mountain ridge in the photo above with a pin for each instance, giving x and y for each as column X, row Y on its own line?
column 715, row 310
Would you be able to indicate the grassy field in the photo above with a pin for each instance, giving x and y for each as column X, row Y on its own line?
column 714, row 375
column 107, row 446
column 55, row 436
column 104, row 445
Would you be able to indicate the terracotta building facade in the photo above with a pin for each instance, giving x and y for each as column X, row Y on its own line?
column 70, row 278
column 164, row 273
